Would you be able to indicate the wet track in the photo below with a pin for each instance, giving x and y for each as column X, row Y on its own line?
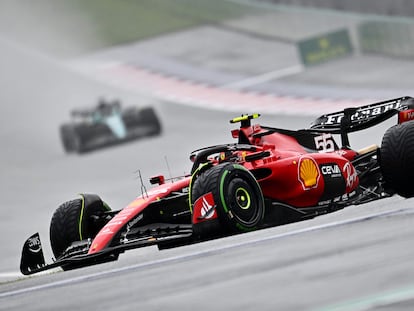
column 359, row 258
column 345, row 259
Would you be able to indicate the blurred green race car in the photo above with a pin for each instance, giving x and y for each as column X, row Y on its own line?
column 106, row 124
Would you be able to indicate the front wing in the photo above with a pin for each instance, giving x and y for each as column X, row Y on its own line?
column 33, row 261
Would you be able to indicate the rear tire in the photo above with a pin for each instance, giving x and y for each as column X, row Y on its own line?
column 238, row 197
column 72, row 221
column 151, row 119
column 397, row 158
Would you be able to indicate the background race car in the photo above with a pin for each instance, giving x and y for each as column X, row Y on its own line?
column 107, row 124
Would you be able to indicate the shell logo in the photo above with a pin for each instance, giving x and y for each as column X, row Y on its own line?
column 308, row 172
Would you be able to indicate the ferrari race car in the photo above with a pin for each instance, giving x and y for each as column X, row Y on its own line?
column 107, row 124
column 268, row 177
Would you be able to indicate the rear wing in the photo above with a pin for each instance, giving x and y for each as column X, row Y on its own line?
column 360, row 118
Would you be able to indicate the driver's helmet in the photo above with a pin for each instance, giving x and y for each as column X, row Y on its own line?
column 104, row 108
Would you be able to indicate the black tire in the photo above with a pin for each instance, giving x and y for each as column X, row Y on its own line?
column 201, row 184
column 72, row 221
column 238, row 197
column 151, row 119
column 142, row 118
column 70, row 139
column 397, row 158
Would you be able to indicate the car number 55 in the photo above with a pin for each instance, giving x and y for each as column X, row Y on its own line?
column 324, row 143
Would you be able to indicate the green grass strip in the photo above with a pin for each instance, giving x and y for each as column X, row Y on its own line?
column 122, row 21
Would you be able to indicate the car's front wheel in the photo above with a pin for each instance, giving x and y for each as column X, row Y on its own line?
column 70, row 139
column 237, row 195
column 76, row 220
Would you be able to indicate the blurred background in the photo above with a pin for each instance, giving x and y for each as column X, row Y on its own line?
column 197, row 62
column 353, row 50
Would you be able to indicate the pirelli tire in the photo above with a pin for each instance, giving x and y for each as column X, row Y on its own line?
column 239, row 200
column 146, row 118
column 151, row 119
column 73, row 221
column 397, row 159
column 70, row 139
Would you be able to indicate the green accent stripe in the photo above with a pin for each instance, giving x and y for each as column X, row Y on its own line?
column 241, row 167
column 223, row 201
column 81, row 218
column 190, row 186
column 106, row 206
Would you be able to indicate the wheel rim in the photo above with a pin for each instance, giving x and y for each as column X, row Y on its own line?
column 241, row 201
column 243, row 198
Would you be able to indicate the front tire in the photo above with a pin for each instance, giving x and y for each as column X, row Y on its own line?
column 397, row 158
column 237, row 195
column 74, row 221
column 70, row 139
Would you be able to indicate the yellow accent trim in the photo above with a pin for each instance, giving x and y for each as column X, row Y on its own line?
column 80, row 218
column 368, row 149
column 245, row 117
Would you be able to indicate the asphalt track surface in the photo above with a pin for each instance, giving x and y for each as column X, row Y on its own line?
column 359, row 258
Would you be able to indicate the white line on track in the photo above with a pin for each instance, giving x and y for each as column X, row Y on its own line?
column 268, row 76
column 379, row 300
column 98, row 275
column 9, row 274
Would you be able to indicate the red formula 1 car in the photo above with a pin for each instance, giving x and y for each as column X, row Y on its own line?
column 269, row 177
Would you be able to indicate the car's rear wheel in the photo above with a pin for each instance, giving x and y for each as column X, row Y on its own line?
column 237, row 195
column 150, row 118
column 142, row 118
column 76, row 220
column 397, row 158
